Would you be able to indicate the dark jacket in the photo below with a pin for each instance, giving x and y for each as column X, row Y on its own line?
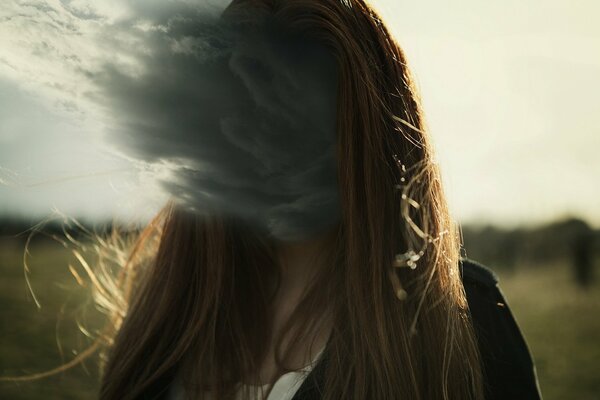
column 509, row 372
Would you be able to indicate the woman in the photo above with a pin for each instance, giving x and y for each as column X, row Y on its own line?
column 378, row 304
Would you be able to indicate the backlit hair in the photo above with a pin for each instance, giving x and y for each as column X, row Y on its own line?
column 192, row 297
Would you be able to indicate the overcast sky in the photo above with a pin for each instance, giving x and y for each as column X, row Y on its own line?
column 511, row 94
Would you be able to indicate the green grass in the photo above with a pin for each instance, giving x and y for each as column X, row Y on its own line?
column 31, row 339
column 560, row 322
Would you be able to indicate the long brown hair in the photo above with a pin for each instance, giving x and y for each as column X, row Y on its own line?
column 401, row 328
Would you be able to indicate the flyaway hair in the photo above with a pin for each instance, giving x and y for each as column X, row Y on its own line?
column 194, row 295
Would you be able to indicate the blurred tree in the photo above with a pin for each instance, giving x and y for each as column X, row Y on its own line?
column 570, row 240
column 583, row 262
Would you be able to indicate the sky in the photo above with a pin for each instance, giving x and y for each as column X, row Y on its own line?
column 510, row 95
column 511, row 92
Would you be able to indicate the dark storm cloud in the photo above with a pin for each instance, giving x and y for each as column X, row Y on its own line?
column 244, row 115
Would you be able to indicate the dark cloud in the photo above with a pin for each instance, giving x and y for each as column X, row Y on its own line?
column 245, row 115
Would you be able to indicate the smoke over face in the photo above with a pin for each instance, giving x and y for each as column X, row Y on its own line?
column 244, row 115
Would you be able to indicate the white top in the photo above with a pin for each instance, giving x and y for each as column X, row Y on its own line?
column 284, row 388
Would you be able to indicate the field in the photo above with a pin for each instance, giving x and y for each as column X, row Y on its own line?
column 561, row 324
column 34, row 340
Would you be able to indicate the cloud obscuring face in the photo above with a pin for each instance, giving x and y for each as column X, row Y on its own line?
column 243, row 116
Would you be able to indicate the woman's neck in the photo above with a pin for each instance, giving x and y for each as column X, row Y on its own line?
column 301, row 260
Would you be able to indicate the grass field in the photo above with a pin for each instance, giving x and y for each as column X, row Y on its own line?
column 560, row 322
column 33, row 340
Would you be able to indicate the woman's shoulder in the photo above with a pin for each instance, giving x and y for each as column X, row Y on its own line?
column 509, row 371
column 476, row 273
